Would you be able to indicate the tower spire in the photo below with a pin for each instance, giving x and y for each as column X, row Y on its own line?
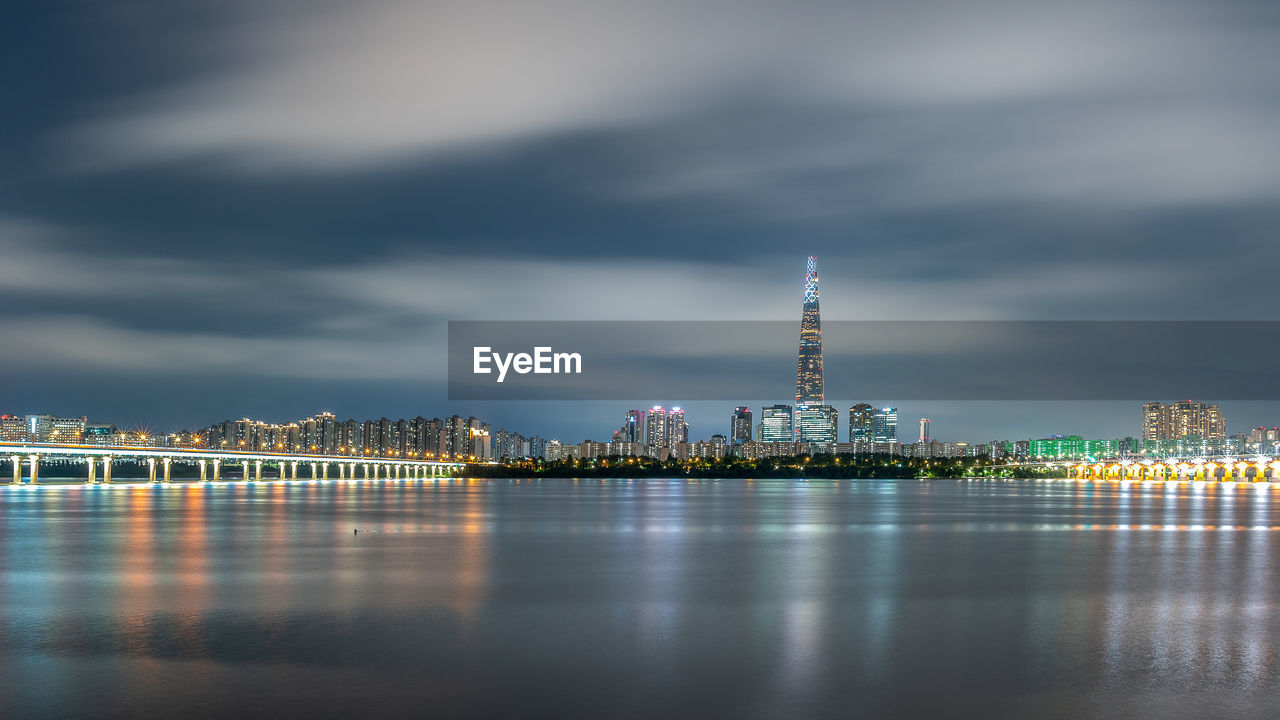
column 809, row 362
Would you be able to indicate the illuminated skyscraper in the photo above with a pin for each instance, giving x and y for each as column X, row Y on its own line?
column 885, row 425
column 924, row 430
column 656, row 430
column 809, row 363
column 861, row 425
column 634, row 427
column 816, row 423
column 677, row 428
column 740, row 425
column 813, row 420
column 775, row 424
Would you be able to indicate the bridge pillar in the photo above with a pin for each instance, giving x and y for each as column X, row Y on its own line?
column 324, row 470
column 342, row 471
column 17, row 469
column 245, row 465
column 93, row 470
column 294, row 464
column 168, row 462
column 203, row 469
column 106, row 469
column 257, row 469
column 151, row 469
column 217, row 467
column 313, row 471
column 366, row 471
column 397, row 471
column 35, row 468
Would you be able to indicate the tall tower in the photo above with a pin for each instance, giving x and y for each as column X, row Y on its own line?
column 809, row 363
column 740, row 425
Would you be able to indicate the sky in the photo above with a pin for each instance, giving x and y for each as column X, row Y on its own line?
column 221, row 209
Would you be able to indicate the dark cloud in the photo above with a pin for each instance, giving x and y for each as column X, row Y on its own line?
column 278, row 204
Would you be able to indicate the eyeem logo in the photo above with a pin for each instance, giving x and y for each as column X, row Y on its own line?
column 542, row 362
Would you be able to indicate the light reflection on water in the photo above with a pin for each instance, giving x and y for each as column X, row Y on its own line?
column 721, row 598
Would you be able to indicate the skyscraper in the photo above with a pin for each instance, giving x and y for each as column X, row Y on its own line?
column 924, row 430
column 633, row 428
column 816, row 423
column 775, row 424
column 861, row 422
column 809, row 362
column 813, row 421
column 885, row 425
column 656, row 427
column 677, row 428
column 740, row 425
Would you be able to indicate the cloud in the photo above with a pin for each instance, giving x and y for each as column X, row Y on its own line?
column 383, row 319
column 922, row 103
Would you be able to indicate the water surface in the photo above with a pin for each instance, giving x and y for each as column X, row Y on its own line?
column 645, row 598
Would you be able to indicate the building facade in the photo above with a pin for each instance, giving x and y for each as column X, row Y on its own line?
column 884, row 425
column 1174, row 421
column 809, row 389
column 740, row 425
column 776, row 424
column 816, row 423
column 861, row 422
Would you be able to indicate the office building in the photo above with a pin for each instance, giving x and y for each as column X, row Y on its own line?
column 884, row 425
column 740, row 425
column 776, row 424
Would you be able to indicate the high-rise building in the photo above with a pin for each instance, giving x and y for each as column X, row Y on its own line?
column 479, row 442
column 633, row 428
column 816, row 423
column 740, row 425
column 809, row 360
column 924, row 430
column 677, row 428
column 655, row 433
column 456, row 440
column 776, row 424
column 861, row 422
column 884, row 425
column 349, row 437
column 1173, row 421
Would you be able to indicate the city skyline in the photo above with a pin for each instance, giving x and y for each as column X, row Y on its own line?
column 639, row 358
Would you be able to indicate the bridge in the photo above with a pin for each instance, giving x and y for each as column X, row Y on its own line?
column 1258, row 468
column 212, row 463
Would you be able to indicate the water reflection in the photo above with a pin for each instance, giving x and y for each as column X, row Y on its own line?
column 641, row 597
